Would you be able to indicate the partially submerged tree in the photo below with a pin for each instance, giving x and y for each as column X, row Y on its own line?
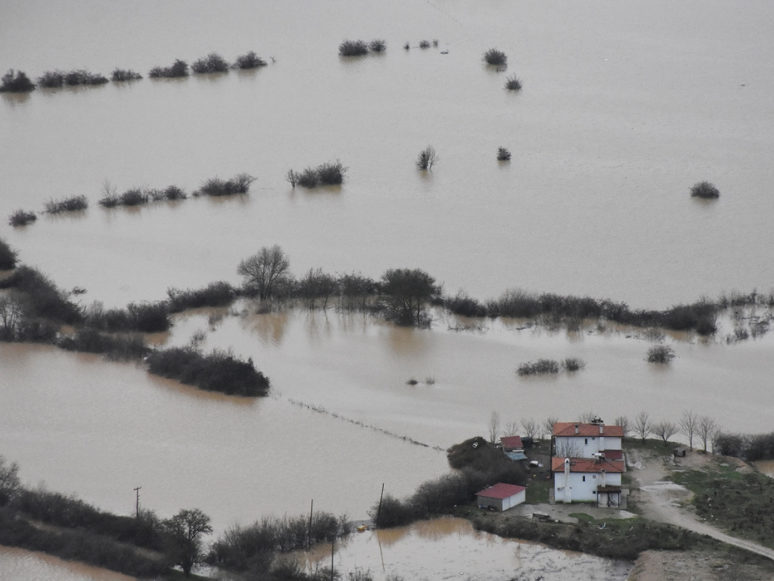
column 266, row 271
column 407, row 291
column 185, row 531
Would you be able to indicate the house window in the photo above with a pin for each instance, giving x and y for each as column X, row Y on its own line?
column 595, row 476
column 584, row 479
column 586, row 441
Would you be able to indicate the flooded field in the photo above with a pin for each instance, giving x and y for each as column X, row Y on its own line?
column 624, row 108
column 18, row 565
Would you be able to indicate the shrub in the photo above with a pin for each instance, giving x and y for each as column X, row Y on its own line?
column 114, row 347
column 215, row 294
column 495, row 57
column 134, row 197
column 538, row 367
column 513, row 83
column 331, row 173
column 218, row 371
column 83, row 77
column 51, row 79
column 8, row 256
column 22, row 218
column 218, row 187
column 573, row 364
column 41, row 297
column 353, row 48
column 503, row 154
column 249, row 61
column 178, row 69
column 71, row 204
column 212, row 63
column 120, row 75
column 406, row 46
column 704, row 190
column 308, row 178
column 660, row 354
column 174, row 193
column 427, row 158
column 424, row 44
column 462, row 304
column 378, row 45
column 16, row 82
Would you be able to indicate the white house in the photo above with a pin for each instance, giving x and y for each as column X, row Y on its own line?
column 587, row 480
column 501, row 496
column 577, row 440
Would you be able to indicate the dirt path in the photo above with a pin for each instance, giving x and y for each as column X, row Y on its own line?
column 661, row 500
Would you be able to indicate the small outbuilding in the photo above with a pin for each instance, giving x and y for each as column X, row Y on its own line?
column 680, row 452
column 501, row 496
column 512, row 444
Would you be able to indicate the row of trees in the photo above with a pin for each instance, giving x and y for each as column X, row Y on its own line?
column 691, row 424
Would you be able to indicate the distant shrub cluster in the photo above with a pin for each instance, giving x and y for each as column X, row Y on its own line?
column 56, row 79
column 136, row 317
column 239, row 184
column 750, row 447
column 216, row 294
column 513, row 83
column 115, row 347
column 217, row 371
column 495, row 57
column 660, row 354
column 503, row 154
column 539, row 367
column 212, row 63
column 123, row 75
column 326, row 174
column 71, row 204
column 138, row 196
column 249, row 61
column 8, row 256
column 176, row 70
column 41, row 298
column 22, row 218
column 705, row 190
column 360, row 47
column 16, row 82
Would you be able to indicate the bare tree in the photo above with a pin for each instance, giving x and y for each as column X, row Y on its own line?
column 587, row 417
column 567, row 448
column 427, row 158
column 548, row 425
column 266, row 270
column 642, row 425
column 494, row 427
column 530, row 426
column 689, row 424
column 707, row 428
column 511, row 429
column 623, row 421
column 11, row 319
column 665, row 430
column 9, row 481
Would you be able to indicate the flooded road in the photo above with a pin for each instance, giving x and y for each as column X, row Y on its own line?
column 451, row 548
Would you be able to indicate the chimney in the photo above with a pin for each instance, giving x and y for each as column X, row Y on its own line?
column 601, row 428
column 576, row 428
column 567, row 493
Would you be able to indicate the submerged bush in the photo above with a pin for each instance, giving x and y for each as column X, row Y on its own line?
column 119, row 75
column 503, row 154
column 513, row 83
column 239, row 184
column 71, row 204
column 326, row 174
column 495, row 57
column 573, row 364
column 138, row 317
column 249, row 61
column 114, row 347
column 353, row 48
column 178, row 69
column 7, row 256
column 538, row 367
column 215, row 294
column 212, row 63
column 704, row 190
column 427, row 158
column 22, row 218
column 16, row 82
column 218, row 371
column 378, row 45
column 41, row 298
column 463, row 304
column 83, row 77
column 424, row 44
column 51, row 79
column 660, row 354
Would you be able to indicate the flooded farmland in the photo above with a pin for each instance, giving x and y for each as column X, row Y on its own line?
column 624, row 107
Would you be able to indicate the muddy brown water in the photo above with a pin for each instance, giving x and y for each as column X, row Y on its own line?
column 624, row 107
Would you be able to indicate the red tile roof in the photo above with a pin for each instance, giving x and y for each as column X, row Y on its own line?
column 500, row 491
column 511, row 443
column 586, row 430
column 587, row 465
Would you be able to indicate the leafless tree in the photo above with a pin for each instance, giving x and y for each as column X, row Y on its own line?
column 9, row 481
column 665, row 430
column 689, row 424
column 11, row 318
column 623, row 421
column 707, row 428
column 511, row 429
column 567, row 448
column 530, row 427
column 266, row 270
column 642, row 425
column 587, row 417
column 427, row 158
column 494, row 427
column 548, row 425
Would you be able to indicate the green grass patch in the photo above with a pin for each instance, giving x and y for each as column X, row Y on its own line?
column 538, row 490
column 583, row 516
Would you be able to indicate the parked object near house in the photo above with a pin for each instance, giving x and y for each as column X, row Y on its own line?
column 680, row 452
column 587, row 480
column 513, row 447
column 501, row 496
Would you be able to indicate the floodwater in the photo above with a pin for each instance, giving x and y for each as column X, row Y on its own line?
column 624, row 107
column 19, row 565
column 451, row 548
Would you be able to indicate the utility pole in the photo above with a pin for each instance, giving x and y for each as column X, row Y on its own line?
column 137, row 502
column 379, row 510
column 309, row 537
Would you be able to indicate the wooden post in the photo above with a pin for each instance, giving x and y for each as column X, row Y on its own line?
column 137, row 502
column 309, row 536
column 333, row 543
column 379, row 510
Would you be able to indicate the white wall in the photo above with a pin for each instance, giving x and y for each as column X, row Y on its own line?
column 583, row 486
column 586, row 447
